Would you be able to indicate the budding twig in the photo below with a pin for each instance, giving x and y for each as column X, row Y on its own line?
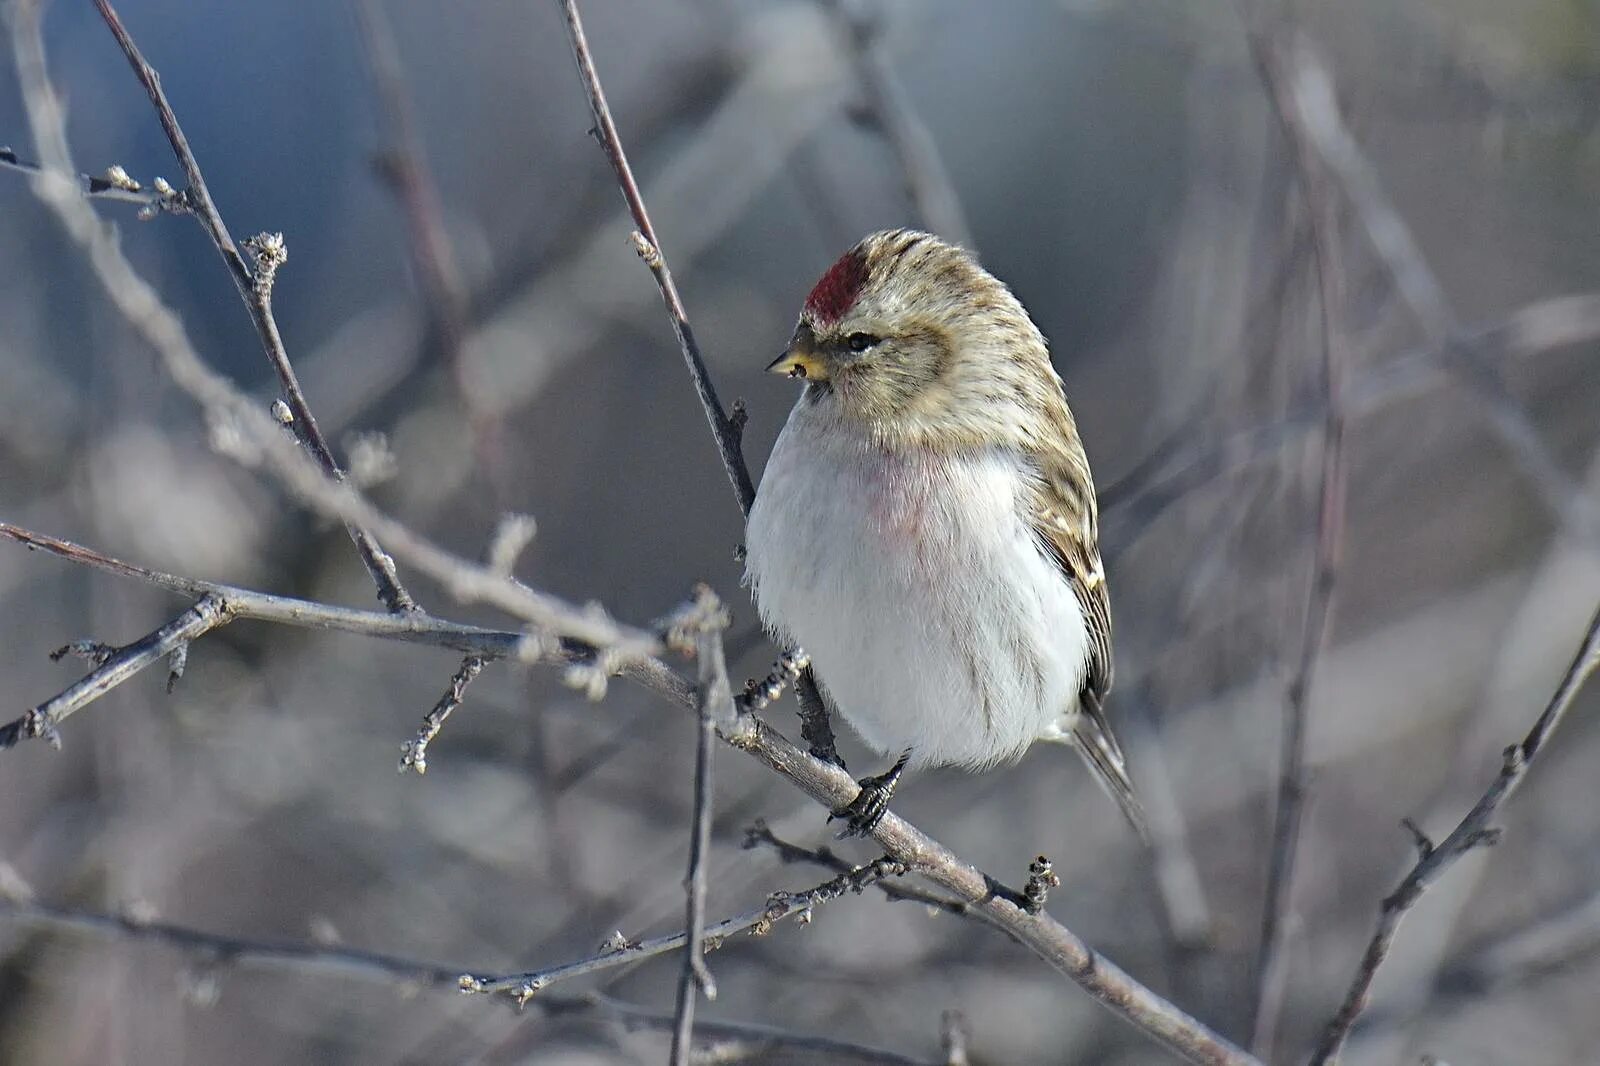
column 414, row 752
column 760, row 835
column 1042, row 877
column 214, row 950
column 255, row 289
column 785, row 672
column 114, row 666
column 618, row 950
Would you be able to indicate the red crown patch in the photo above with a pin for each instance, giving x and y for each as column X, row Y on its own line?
column 837, row 291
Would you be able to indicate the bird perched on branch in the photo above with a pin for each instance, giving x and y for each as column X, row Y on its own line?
column 926, row 525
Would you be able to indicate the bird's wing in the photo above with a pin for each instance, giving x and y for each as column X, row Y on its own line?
column 1066, row 520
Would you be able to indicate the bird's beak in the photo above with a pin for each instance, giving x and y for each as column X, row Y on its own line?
column 800, row 360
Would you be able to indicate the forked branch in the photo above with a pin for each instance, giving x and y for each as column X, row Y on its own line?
column 1474, row 830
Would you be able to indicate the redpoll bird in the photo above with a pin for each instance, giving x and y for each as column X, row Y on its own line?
column 926, row 525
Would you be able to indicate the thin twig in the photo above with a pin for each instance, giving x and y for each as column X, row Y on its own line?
column 619, row 951
column 1041, row 934
column 258, row 299
column 1471, row 832
column 115, row 184
column 1042, row 877
column 726, row 430
column 285, row 610
column 238, row 426
column 1322, row 208
column 217, row 950
column 413, row 627
column 756, row 695
column 759, row 834
column 169, row 640
column 414, row 752
column 705, row 621
column 928, row 186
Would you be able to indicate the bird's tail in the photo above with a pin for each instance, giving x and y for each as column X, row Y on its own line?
column 1092, row 736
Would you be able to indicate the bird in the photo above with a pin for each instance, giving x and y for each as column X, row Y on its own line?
column 926, row 525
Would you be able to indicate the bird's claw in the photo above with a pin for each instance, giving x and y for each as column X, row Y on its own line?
column 862, row 814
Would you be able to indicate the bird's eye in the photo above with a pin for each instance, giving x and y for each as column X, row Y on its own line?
column 860, row 342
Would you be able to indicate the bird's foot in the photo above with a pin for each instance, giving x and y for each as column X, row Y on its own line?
column 863, row 813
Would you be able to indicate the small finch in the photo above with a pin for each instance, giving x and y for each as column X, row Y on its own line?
column 926, row 525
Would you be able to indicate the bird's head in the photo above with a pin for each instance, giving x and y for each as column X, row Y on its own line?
column 910, row 337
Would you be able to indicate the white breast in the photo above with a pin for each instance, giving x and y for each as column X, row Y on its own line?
column 932, row 617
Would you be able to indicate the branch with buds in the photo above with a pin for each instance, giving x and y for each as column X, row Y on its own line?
column 214, row 952
column 255, row 288
column 904, row 846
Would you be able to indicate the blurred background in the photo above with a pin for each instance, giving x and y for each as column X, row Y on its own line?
column 1120, row 165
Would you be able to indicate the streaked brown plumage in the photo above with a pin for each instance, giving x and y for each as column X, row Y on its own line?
column 927, row 526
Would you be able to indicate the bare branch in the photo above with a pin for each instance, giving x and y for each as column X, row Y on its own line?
column 1041, row 934
column 785, row 672
column 115, row 184
column 1042, row 877
column 171, row 639
column 414, row 627
column 414, row 752
column 257, row 298
column 760, row 835
column 250, row 435
column 1474, row 830
column 724, row 429
column 824, row 782
column 220, row 949
column 704, row 621
column 406, row 975
column 1273, row 61
column 620, row 951
column 728, row 431
column 286, row 610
